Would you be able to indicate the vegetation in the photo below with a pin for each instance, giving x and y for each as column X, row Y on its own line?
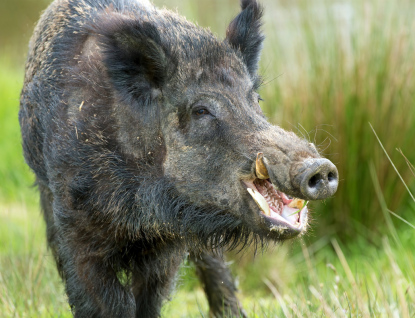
column 325, row 278
column 329, row 69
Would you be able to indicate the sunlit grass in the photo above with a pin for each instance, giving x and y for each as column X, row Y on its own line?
column 29, row 283
column 299, row 279
column 15, row 176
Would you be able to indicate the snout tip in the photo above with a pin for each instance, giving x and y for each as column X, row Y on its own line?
column 320, row 180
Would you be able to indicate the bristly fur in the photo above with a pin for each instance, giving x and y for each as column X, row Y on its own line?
column 141, row 128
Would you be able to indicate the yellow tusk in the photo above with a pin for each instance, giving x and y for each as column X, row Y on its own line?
column 260, row 169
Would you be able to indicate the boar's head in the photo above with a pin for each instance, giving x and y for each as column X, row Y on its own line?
column 190, row 102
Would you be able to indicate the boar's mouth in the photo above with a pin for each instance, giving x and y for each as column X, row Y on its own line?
column 279, row 209
column 285, row 214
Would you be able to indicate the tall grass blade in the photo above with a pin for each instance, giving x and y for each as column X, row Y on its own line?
column 350, row 277
column 396, row 170
column 278, row 297
column 410, row 165
column 383, row 204
column 401, row 218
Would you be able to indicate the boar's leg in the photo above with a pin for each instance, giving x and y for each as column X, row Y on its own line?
column 90, row 274
column 152, row 282
column 86, row 280
column 93, row 288
column 218, row 284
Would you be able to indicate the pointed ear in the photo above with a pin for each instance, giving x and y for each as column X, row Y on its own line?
column 135, row 56
column 244, row 34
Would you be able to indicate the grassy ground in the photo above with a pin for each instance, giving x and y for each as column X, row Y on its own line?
column 330, row 68
column 297, row 279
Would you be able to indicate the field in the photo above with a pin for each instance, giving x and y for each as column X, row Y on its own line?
column 332, row 71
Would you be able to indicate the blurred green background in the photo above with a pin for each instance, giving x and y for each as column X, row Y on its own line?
column 330, row 68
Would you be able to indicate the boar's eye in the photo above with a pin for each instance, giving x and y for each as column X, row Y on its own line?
column 201, row 112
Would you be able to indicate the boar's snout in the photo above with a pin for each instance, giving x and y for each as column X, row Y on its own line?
column 317, row 178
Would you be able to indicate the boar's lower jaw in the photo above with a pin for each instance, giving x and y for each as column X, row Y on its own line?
column 287, row 216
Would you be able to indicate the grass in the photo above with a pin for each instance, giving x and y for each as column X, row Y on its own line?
column 29, row 284
column 298, row 279
column 330, row 68
column 14, row 173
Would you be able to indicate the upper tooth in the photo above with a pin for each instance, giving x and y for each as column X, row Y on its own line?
column 260, row 201
column 260, row 169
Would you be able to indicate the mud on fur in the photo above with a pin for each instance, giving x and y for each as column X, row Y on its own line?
column 144, row 131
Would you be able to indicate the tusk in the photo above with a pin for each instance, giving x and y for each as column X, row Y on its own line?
column 260, row 201
column 260, row 169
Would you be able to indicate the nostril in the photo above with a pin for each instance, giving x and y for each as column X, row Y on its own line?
column 312, row 183
column 319, row 179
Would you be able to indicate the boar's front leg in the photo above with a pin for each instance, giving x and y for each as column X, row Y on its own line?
column 88, row 267
column 153, row 280
column 218, row 284
column 93, row 288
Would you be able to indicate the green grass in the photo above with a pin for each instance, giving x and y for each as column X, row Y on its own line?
column 326, row 278
column 29, row 284
column 16, row 178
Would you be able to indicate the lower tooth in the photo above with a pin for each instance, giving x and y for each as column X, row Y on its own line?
column 296, row 203
column 260, row 201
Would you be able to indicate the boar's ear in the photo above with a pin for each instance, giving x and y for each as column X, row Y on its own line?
column 244, row 33
column 136, row 58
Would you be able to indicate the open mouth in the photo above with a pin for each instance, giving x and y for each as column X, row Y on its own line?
column 275, row 206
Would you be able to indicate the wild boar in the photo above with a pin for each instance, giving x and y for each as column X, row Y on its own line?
column 147, row 141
